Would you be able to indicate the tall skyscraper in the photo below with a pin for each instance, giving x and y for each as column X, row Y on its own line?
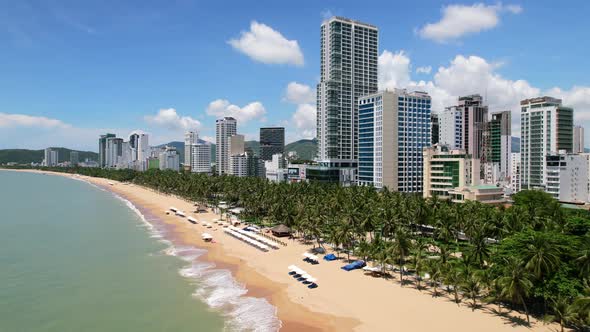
column 348, row 70
column 224, row 129
column 578, row 139
column 394, row 128
column 272, row 141
column 102, row 145
column 113, row 151
column 51, row 157
column 139, row 150
column 190, row 138
column 546, row 128
column 463, row 126
column 451, row 128
column 201, row 158
column 74, row 158
column 500, row 131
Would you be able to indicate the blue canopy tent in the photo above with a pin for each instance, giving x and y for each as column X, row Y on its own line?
column 330, row 257
column 354, row 265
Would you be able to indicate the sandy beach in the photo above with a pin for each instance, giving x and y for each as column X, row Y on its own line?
column 344, row 301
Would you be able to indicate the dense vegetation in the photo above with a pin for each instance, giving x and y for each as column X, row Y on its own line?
column 22, row 156
column 533, row 256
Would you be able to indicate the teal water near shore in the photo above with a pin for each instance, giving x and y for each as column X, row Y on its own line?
column 75, row 258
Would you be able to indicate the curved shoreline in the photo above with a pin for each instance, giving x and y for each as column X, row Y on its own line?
column 294, row 317
column 371, row 304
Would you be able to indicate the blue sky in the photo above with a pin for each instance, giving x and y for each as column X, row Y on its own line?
column 71, row 70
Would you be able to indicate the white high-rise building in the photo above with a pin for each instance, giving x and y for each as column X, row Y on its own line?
column 546, row 128
column 190, row 138
column 464, row 126
column 451, row 128
column 113, row 151
column 578, row 139
column 348, row 69
column 566, row 177
column 169, row 159
column 200, row 158
column 51, row 157
column 394, row 128
column 224, row 129
column 515, row 166
column 139, row 147
column 239, row 165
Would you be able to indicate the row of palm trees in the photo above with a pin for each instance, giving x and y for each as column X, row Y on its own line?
column 533, row 255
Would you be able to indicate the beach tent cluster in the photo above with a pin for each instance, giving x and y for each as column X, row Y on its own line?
column 246, row 239
column 302, row 276
column 313, row 259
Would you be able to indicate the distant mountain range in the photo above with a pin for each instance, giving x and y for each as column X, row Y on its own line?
column 23, row 156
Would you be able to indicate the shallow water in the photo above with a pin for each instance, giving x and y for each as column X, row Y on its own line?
column 74, row 257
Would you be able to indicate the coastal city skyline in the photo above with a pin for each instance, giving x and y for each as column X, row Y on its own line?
column 258, row 171
column 405, row 58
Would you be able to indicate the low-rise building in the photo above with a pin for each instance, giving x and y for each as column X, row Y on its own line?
column 489, row 194
column 447, row 169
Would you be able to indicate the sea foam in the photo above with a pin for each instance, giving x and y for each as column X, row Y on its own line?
column 216, row 287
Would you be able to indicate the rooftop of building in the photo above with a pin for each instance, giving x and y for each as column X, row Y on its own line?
column 349, row 20
column 544, row 100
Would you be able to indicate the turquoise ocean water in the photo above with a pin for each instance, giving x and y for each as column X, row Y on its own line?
column 74, row 257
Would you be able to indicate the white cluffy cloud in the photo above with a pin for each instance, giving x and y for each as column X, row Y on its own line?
column 298, row 93
column 424, row 70
column 472, row 74
column 222, row 107
column 169, row 119
column 460, row 20
column 269, row 46
column 304, row 118
column 8, row 120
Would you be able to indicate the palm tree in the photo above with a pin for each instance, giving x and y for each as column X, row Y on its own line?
column 516, row 283
column 454, row 278
column 583, row 258
column 563, row 312
column 471, row 286
column 400, row 248
column 435, row 271
column 542, row 254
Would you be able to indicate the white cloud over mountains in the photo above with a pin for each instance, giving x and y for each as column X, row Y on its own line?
column 264, row 44
column 461, row 20
column 221, row 107
column 169, row 119
column 466, row 75
column 304, row 118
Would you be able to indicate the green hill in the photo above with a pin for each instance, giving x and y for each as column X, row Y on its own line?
column 24, row 156
column 306, row 148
